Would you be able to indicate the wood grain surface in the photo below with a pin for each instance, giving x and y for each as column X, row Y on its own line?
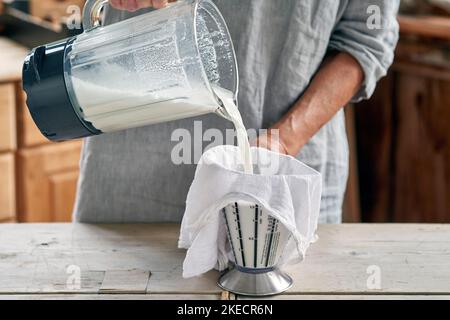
column 142, row 261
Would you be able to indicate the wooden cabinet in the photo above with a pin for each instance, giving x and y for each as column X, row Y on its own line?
column 47, row 178
column 404, row 134
column 7, row 117
column 38, row 178
column 7, row 188
column 63, row 188
column 7, row 147
column 421, row 161
column 28, row 134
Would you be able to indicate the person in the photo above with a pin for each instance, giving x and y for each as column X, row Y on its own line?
column 300, row 62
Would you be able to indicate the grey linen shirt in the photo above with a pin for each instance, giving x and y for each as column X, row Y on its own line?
column 128, row 176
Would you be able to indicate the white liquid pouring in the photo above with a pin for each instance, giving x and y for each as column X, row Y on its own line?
column 234, row 116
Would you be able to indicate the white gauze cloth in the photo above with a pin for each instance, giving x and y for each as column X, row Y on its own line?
column 284, row 187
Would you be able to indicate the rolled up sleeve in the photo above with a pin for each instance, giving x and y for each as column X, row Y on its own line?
column 372, row 45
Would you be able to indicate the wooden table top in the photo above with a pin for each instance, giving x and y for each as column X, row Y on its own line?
column 39, row 261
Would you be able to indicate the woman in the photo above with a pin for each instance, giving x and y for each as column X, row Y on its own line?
column 300, row 62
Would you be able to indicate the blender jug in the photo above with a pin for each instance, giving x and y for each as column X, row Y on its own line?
column 160, row 66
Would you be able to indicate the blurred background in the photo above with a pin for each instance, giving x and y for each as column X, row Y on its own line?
column 399, row 139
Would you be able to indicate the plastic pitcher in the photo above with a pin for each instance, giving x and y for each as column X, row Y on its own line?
column 156, row 67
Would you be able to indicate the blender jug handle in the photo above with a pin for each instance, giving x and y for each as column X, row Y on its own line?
column 91, row 13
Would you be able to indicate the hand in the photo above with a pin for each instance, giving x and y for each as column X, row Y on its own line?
column 134, row 5
column 271, row 140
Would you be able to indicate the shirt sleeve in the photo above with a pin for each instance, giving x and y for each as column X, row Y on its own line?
column 368, row 30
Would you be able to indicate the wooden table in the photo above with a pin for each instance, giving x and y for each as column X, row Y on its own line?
column 41, row 261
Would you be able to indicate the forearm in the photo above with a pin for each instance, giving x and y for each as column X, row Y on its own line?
column 337, row 81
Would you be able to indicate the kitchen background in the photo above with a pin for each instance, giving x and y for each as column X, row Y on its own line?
column 399, row 139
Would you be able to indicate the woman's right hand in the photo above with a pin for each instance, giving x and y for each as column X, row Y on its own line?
column 134, row 5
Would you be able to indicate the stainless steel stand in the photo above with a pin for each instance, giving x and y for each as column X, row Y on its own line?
column 255, row 282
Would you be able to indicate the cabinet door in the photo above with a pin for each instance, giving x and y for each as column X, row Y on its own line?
column 63, row 188
column 422, row 158
column 7, row 117
column 404, row 143
column 28, row 134
column 47, row 178
column 7, row 187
